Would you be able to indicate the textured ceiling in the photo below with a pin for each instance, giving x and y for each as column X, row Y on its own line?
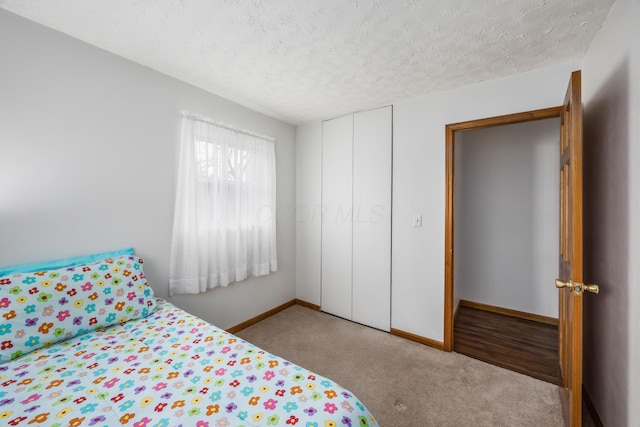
column 301, row 60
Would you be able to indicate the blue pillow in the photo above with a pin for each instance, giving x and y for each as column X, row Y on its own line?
column 62, row 263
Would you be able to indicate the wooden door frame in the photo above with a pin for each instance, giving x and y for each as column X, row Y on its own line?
column 450, row 129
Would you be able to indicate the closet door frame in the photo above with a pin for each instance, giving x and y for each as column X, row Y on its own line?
column 356, row 217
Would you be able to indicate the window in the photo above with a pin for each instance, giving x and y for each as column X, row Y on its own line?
column 224, row 224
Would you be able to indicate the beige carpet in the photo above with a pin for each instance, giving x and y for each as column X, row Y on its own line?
column 405, row 383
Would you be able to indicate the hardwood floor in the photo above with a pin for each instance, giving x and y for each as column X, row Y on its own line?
column 520, row 345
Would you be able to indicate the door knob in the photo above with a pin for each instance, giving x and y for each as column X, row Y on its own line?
column 594, row 289
column 562, row 284
column 578, row 288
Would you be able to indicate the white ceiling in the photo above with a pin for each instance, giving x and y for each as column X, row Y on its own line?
column 302, row 60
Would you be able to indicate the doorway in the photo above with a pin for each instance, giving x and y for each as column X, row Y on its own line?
column 506, row 217
column 451, row 133
column 505, row 194
column 506, row 246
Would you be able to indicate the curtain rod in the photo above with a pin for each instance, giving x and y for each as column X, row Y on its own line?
column 226, row 126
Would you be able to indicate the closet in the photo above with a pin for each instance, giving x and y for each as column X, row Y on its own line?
column 356, row 217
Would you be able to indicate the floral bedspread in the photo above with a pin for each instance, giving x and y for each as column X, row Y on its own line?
column 168, row 369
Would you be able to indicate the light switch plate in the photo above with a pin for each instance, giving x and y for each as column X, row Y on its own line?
column 417, row 220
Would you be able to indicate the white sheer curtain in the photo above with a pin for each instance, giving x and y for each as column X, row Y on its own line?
column 224, row 227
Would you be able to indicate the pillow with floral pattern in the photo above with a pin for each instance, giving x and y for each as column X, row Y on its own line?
column 41, row 308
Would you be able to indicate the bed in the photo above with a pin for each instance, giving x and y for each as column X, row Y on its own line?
column 88, row 344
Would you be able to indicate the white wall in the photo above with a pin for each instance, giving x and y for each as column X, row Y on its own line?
column 611, row 98
column 506, row 216
column 419, row 187
column 88, row 161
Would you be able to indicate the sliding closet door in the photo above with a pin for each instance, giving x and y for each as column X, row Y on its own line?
column 337, row 171
column 372, row 218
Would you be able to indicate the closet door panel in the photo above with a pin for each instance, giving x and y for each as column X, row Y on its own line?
column 337, row 170
column 372, row 157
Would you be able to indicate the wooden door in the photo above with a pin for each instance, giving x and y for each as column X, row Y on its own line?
column 570, row 268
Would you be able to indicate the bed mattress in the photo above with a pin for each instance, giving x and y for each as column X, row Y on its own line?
column 168, row 369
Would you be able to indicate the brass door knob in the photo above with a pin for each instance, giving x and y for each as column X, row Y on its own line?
column 594, row 289
column 578, row 288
